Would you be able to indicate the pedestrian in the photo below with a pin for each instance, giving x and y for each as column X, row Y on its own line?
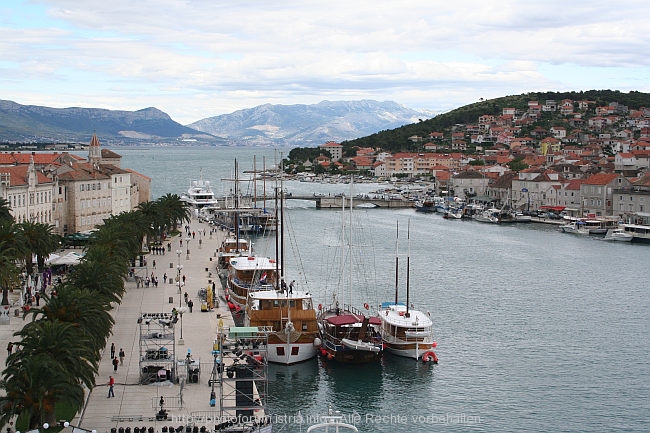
column 186, row 296
column 112, row 350
column 292, row 285
column 190, row 304
column 165, row 278
column 154, row 264
column 181, row 239
column 115, row 363
column 183, row 278
column 121, row 356
column 38, row 298
column 10, row 348
column 111, row 383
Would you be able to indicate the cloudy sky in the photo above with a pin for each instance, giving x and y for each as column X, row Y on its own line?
column 200, row 58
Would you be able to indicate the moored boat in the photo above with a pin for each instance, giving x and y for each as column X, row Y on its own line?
column 405, row 331
column 347, row 335
column 249, row 273
column 291, row 316
column 200, row 195
column 618, row 234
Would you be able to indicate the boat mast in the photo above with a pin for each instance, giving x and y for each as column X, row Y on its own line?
column 236, row 202
column 408, row 267
column 254, row 182
column 397, row 264
column 350, row 241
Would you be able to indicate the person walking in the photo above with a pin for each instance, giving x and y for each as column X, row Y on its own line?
column 115, row 363
column 190, row 304
column 121, row 356
column 112, row 350
column 111, row 383
column 10, row 348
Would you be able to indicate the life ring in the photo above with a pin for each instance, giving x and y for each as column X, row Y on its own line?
column 320, row 307
column 401, row 313
column 430, row 356
column 366, row 306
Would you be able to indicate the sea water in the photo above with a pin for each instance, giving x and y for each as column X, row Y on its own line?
column 537, row 330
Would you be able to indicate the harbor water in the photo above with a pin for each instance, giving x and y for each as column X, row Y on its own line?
column 537, row 330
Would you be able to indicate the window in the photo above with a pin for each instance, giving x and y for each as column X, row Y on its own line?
column 294, row 350
column 279, row 351
column 82, row 187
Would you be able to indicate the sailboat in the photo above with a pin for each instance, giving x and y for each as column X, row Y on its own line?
column 287, row 311
column 405, row 331
column 348, row 335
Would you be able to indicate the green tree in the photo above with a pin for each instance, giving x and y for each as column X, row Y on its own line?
column 11, row 250
column 517, row 165
column 38, row 240
column 5, row 210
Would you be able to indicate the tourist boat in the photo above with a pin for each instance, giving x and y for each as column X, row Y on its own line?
column 291, row 316
column 639, row 232
column 249, row 273
column 200, row 195
column 406, row 331
column 288, row 313
column 232, row 247
column 618, row 234
column 347, row 335
column 600, row 226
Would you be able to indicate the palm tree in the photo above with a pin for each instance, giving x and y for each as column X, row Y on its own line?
column 102, row 274
column 32, row 386
column 82, row 308
column 5, row 210
column 11, row 249
column 38, row 240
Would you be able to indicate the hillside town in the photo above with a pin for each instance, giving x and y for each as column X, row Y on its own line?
column 595, row 165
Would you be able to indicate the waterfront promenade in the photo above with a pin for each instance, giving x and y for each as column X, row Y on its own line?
column 136, row 405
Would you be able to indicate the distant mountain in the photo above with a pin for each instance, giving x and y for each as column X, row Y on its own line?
column 308, row 125
column 303, row 125
column 31, row 123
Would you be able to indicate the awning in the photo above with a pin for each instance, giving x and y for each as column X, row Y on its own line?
column 553, row 208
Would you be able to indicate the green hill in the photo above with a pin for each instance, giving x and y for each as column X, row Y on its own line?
column 395, row 140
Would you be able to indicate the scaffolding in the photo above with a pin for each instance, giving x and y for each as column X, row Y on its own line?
column 241, row 369
column 157, row 347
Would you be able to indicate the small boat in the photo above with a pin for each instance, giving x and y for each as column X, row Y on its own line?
column 333, row 422
column 618, row 234
column 575, row 227
column 490, row 215
column 427, row 206
column 521, row 217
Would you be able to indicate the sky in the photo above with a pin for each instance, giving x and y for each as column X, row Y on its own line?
column 195, row 59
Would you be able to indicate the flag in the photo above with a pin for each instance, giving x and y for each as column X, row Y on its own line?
column 263, row 277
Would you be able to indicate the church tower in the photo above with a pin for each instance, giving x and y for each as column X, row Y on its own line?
column 94, row 152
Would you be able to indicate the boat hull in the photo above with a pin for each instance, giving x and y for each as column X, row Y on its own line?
column 291, row 353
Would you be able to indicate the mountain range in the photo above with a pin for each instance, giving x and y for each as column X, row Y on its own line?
column 303, row 125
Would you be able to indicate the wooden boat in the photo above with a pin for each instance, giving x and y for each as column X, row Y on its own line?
column 231, row 247
column 405, row 331
column 292, row 318
column 289, row 314
column 348, row 335
column 249, row 273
